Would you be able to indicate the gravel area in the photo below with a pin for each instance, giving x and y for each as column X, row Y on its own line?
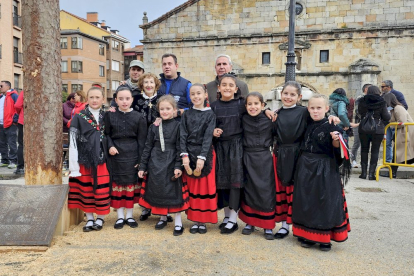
column 380, row 243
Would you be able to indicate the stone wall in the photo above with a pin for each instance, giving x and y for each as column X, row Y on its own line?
column 247, row 29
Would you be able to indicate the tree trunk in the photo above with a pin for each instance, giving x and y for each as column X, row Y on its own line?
column 42, row 85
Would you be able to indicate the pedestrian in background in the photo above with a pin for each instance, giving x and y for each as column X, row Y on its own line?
column 80, row 104
column 19, row 107
column 8, row 125
column 404, row 142
column 374, row 104
column 67, row 111
column 357, row 120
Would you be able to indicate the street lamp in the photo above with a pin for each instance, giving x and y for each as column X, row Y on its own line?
column 294, row 9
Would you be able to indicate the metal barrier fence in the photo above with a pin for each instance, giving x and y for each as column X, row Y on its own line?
column 386, row 164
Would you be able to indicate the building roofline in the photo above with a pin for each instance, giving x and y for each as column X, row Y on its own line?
column 169, row 14
column 123, row 39
column 78, row 32
column 84, row 20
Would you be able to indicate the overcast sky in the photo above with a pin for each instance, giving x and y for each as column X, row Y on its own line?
column 122, row 15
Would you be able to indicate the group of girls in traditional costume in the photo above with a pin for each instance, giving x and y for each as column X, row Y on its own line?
column 228, row 161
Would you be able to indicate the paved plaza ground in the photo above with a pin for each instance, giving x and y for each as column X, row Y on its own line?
column 380, row 243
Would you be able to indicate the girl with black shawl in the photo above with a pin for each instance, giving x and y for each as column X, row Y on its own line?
column 89, row 177
column 319, row 212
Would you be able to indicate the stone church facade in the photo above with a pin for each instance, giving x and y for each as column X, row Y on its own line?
column 339, row 43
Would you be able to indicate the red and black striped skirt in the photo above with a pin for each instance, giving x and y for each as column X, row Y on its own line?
column 203, row 196
column 163, row 211
column 265, row 220
column 81, row 195
column 337, row 234
column 124, row 195
column 284, row 198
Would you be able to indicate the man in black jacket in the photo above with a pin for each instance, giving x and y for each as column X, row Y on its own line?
column 223, row 66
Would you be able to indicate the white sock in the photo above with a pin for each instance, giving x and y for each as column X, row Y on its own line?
column 145, row 211
column 178, row 221
column 100, row 222
column 89, row 216
column 268, row 231
column 120, row 213
column 226, row 214
column 233, row 218
column 129, row 212
column 282, row 230
column 162, row 219
column 248, row 226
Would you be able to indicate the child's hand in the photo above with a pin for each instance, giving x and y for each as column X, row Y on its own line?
column 335, row 135
column 186, row 163
column 177, row 173
column 113, row 151
column 271, row 115
column 334, row 119
column 157, row 122
column 200, row 166
column 112, row 109
column 141, row 174
column 217, row 132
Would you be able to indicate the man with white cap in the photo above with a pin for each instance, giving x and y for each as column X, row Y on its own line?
column 136, row 69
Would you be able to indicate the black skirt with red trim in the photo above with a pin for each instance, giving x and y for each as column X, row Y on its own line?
column 163, row 211
column 265, row 220
column 125, row 195
column 81, row 194
column 337, row 234
column 284, row 198
column 203, row 196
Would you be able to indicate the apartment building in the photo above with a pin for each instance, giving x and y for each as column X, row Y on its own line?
column 83, row 60
column 90, row 28
column 11, row 57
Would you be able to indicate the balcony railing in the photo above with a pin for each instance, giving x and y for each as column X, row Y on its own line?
column 18, row 57
column 17, row 20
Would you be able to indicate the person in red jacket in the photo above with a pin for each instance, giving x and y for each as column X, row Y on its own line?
column 18, row 106
column 8, row 125
column 80, row 103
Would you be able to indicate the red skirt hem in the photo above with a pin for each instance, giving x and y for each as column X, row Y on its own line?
column 81, row 195
column 284, row 198
column 163, row 211
column 337, row 234
column 265, row 220
column 124, row 196
column 202, row 196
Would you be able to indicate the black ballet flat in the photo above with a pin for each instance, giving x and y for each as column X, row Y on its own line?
column 202, row 229
column 145, row 216
column 132, row 224
column 194, row 229
column 306, row 244
column 325, row 247
column 227, row 231
column 178, row 232
column 221, row 226
column 247, row 231
column 280, row 236
column 96, row 226
column 119, row 223
column 161, row 225
column 269, row 236
column 169, row 218
column 88, row 228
